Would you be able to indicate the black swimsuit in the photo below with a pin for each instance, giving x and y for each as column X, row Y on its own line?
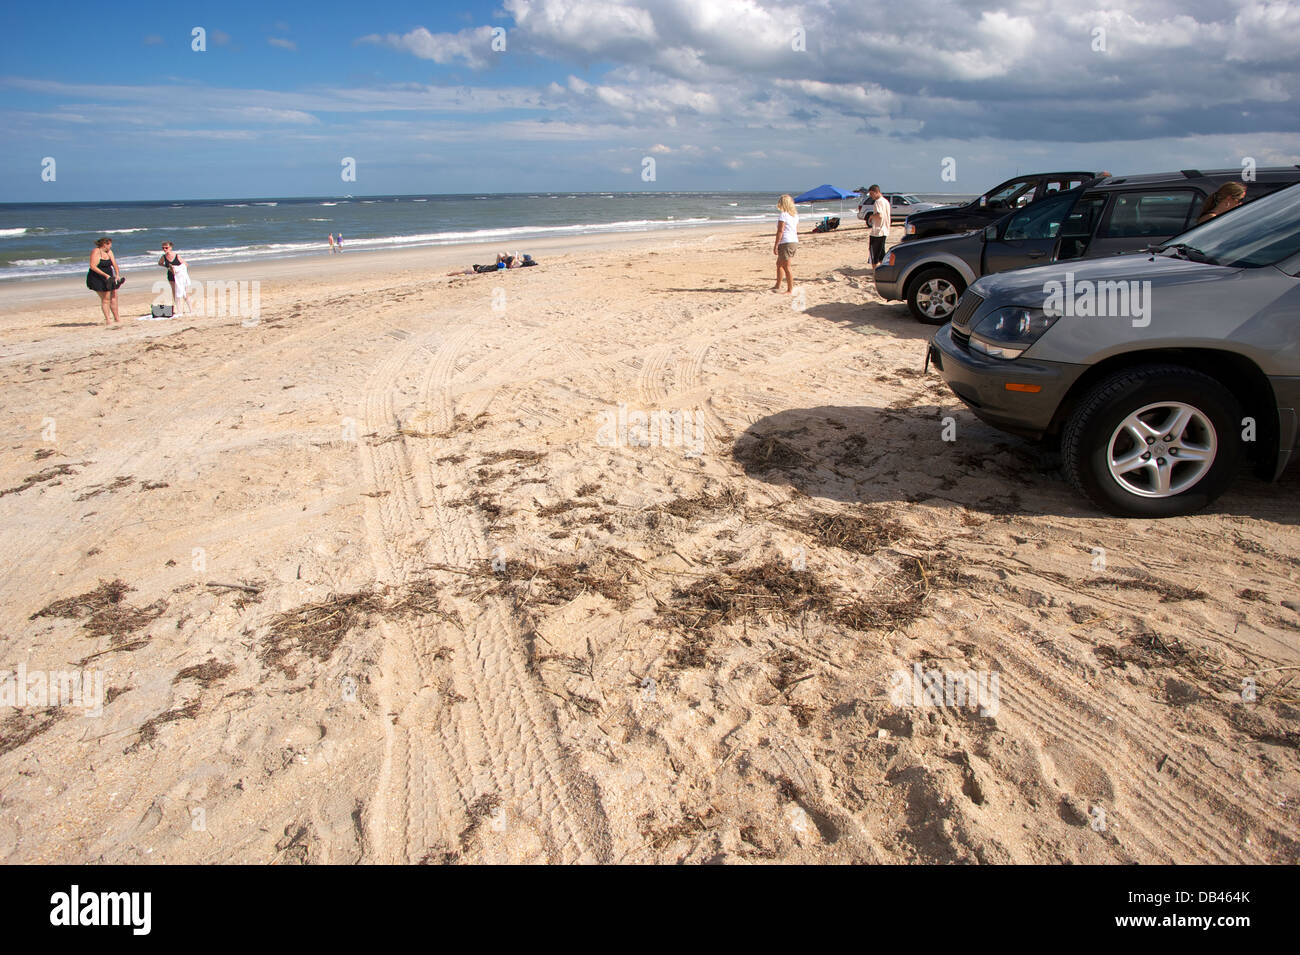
column 174, row 261
column 96, row 282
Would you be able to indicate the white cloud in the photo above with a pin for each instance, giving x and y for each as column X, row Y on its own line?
column 471, row 46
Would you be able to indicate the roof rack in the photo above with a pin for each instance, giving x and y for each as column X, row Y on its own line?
column 1191, row 173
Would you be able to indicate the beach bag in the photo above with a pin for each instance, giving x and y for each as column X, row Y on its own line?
column 160, row 311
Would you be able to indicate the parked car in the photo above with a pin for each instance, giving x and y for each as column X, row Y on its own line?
column 1116, row 214
column 902, row 205
column 997, row 202
column 1155, row 409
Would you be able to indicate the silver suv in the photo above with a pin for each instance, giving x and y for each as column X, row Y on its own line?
column 1160, row 371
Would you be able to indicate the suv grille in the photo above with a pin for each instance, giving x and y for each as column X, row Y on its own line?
column 967, row 307
column 969, row 304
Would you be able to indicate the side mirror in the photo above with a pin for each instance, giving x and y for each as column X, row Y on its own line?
column 984, row 201
column 990, row 233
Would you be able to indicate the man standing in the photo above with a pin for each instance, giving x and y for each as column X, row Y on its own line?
column 878, row 220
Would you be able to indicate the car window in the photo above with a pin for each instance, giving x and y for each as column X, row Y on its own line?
column 1061, row 185
column 1011, row 189
column 1149, row 213
column 1040, row 221
column 1079, row 224
column 1083, row 217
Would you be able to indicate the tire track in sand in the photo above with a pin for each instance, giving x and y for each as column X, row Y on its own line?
column 498, row 739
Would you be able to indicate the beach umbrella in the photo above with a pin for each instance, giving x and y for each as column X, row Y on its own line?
column 824, row 193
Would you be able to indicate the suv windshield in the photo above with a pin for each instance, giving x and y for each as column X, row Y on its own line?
column 1262, row 232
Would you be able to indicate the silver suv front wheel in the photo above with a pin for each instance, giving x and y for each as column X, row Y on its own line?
column 1153, row 441
column 1163, row 449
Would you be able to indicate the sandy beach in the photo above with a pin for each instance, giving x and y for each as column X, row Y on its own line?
column 617, row 559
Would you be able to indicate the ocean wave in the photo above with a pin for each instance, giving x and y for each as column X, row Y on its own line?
column 248, row 240
column 9, row 233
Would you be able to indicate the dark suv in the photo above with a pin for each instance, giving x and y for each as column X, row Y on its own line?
column 997, row 202
column 1101, row 218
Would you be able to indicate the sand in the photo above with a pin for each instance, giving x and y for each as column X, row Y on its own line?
column 398, row 584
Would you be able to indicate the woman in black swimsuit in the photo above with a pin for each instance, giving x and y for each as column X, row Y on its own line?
column 171, row 259
column 104, row 278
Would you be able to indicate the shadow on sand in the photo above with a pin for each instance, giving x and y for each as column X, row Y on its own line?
column 898, row 455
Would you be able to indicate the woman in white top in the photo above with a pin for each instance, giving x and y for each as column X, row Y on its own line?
column 787, row 242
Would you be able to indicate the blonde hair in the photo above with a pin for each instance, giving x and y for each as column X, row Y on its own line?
column 1234, row 189
column 786, row 205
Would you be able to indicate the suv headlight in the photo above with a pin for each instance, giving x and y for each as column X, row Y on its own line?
column 908, row 228
column 1007, row 332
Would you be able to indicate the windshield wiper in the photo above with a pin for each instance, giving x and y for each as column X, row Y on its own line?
column 1192, row 255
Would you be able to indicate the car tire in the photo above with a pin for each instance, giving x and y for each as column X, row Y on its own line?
column 932, row 295
column 1115, row 425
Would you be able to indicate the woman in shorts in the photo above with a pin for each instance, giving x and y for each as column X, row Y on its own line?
column 787, row 242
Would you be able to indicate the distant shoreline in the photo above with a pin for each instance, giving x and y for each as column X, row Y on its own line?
column 39, row 244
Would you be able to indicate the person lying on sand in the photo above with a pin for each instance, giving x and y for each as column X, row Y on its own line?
column 504, row 261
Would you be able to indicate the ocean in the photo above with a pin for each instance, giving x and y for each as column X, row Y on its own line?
column 51, row 239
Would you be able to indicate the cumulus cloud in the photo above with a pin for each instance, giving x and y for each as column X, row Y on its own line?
column 471, row 46
column 932, row 68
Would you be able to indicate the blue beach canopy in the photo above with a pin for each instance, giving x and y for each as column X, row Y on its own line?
column 826, row 193
column 823, row 193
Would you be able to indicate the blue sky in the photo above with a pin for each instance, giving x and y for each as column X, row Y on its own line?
column 722, row 94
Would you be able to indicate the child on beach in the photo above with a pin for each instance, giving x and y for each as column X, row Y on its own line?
column 331, row 238
column 787, row 242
